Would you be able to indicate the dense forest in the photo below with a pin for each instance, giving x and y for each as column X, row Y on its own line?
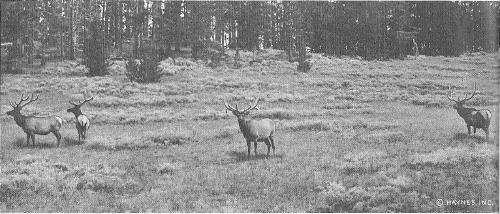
column 371, row 30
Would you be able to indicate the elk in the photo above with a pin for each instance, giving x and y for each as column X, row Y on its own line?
column 254, row 130
column 32, row 125
column 472, row 117
column 82, row 122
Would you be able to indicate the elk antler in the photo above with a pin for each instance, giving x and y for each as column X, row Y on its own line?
column 458, row 98
column 254, row 106
column 82, row 102
column 473, row 93
column 228, row 107
column 450, row 95
column 18, row 105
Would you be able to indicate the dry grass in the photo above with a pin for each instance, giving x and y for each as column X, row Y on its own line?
column 352, row 136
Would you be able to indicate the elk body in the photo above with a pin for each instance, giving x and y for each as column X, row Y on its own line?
column 82, row 122
column 254, row 130
column 473, row 117
column 33, row 125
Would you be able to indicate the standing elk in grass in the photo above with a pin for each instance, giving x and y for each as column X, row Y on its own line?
column 473, row 117
column 82, row 122
column 254, row 130
column 32, row 125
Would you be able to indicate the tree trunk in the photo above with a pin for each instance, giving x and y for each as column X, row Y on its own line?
column 286, row 30
column 196, row 20
column 136, row 32
column 72, row 35
column 303, row 65
column 61, row 45
column 237, row 34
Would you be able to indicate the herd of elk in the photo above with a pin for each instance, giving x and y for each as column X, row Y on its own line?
column 472, row 117
column 32, row 125
column 82, row 122
column 254, row 130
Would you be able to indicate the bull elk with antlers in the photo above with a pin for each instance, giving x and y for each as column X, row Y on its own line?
column 254, row 130
column 472, row 117
column 32, row 125
column 82, row 122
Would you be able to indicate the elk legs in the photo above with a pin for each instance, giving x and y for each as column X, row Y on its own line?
column 272, row 143
column 249, row 144
column 58, row 136
column 268, row 144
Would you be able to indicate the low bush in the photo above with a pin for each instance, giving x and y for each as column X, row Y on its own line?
column 143, row 71
column 384, row 136
column 378, row 198
column 227, row 132
column 453, row 155
column 304, row 67
column 364, row 162
column 115, row 144
column 34, row 176
column 168, row 137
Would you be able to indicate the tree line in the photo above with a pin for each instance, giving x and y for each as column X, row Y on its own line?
column 365, row 29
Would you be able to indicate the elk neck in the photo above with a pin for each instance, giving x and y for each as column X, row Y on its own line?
column 243, row 123
column 20, row 119
column 465, row 112
column 77, row 112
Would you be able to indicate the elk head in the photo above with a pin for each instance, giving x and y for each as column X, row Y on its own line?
column 19, row 106
column 76, row 106
column 459, row 103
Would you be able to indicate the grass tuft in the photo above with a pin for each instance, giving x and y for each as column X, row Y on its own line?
column 364, row 162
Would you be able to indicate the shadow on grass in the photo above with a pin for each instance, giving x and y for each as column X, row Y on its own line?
column 21, row 143
column 242, row 156
column 66, row 141
column 464, row 136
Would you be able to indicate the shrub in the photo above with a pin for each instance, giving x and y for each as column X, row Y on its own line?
column 364, row 162
column 304, row 67
column 227, row 132
column 451, row 156
column 143, row 71
column 170, row 137
column 383, row 198
column 116, row 144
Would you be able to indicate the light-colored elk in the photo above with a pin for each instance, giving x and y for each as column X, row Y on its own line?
column 254, row 130
column 82, row 121
column 472, row 117
column 32, row 125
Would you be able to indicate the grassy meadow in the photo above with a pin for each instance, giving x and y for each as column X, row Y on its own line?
column 352, row 136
